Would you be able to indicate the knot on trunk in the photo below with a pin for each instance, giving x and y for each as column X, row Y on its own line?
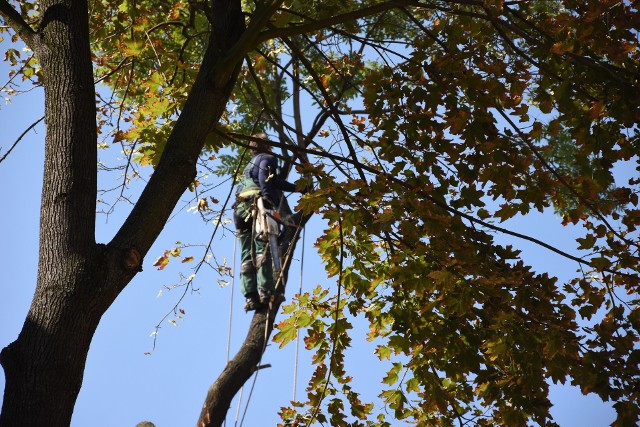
column 133, row 259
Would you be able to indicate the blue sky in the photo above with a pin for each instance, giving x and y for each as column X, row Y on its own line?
column 122, row 384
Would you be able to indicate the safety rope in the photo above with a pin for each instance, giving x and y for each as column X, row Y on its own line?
column 255, row 378
column 233, row 283
column 233, row 286
column 238, row 407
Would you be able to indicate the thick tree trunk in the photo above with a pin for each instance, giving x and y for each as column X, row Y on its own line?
column 44, row 366
column 78, row 279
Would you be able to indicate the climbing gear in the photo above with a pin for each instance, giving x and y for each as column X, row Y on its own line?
column 268, row 229
column 260, row 259
column 295, row 363
column 247, row 188
column 266, row 223
column 244, row 211
column 246, row 194
column 233, row 287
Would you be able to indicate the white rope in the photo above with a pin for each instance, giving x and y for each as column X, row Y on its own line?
column 246, row 407
column 295, row 363
column 233, row 286
column 238, row 408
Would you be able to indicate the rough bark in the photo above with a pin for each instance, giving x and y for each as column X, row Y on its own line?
column 79, row 279
column 48, row 357
column 242, row 366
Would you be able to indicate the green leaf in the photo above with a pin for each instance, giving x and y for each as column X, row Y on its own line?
column 287, row 332
column 132, row 47
column 383, row 352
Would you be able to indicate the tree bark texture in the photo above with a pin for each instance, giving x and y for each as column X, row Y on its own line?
column 44, row 366
column 79, row 279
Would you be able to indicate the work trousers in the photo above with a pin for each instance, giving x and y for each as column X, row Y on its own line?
column 256, row 271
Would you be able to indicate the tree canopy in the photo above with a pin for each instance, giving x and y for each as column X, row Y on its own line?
column 423, row 126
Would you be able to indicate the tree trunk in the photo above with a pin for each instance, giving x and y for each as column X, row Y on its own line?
column 78, row 279
column 44, row 366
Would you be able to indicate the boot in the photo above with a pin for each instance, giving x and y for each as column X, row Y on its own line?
column 252, row 302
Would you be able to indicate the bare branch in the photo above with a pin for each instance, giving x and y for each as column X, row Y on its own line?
column 330, row 104
column 20, row 137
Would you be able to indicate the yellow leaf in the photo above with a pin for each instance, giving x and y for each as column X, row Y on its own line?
column 132, row 48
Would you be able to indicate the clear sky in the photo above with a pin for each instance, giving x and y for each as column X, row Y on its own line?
column 122, row 384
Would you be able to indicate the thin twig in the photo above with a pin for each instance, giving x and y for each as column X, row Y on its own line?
column 20, row 137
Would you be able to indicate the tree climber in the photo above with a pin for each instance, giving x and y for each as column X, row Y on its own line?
column 259, row 185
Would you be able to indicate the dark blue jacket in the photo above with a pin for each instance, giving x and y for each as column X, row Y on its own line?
column 263, row 170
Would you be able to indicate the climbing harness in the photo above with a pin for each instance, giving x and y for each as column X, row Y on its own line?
column 268, row 229
column 247, row 188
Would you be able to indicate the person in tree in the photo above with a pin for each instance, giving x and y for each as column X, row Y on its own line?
column 260, row 179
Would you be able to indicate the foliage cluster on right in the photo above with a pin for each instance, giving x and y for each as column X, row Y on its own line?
column 476, row 113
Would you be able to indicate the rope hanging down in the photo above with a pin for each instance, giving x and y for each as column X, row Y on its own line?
column 295, row 361
column 233, row 286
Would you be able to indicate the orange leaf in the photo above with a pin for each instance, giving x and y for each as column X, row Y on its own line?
column 559, row 48
column 161, row 262
column 596, row 109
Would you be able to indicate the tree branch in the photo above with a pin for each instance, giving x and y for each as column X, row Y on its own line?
column 19, row 25
column 446, row 207
column 330, row 104
column 330, row 22
column 20, row 137
column 205, row 104
column 248, row 40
